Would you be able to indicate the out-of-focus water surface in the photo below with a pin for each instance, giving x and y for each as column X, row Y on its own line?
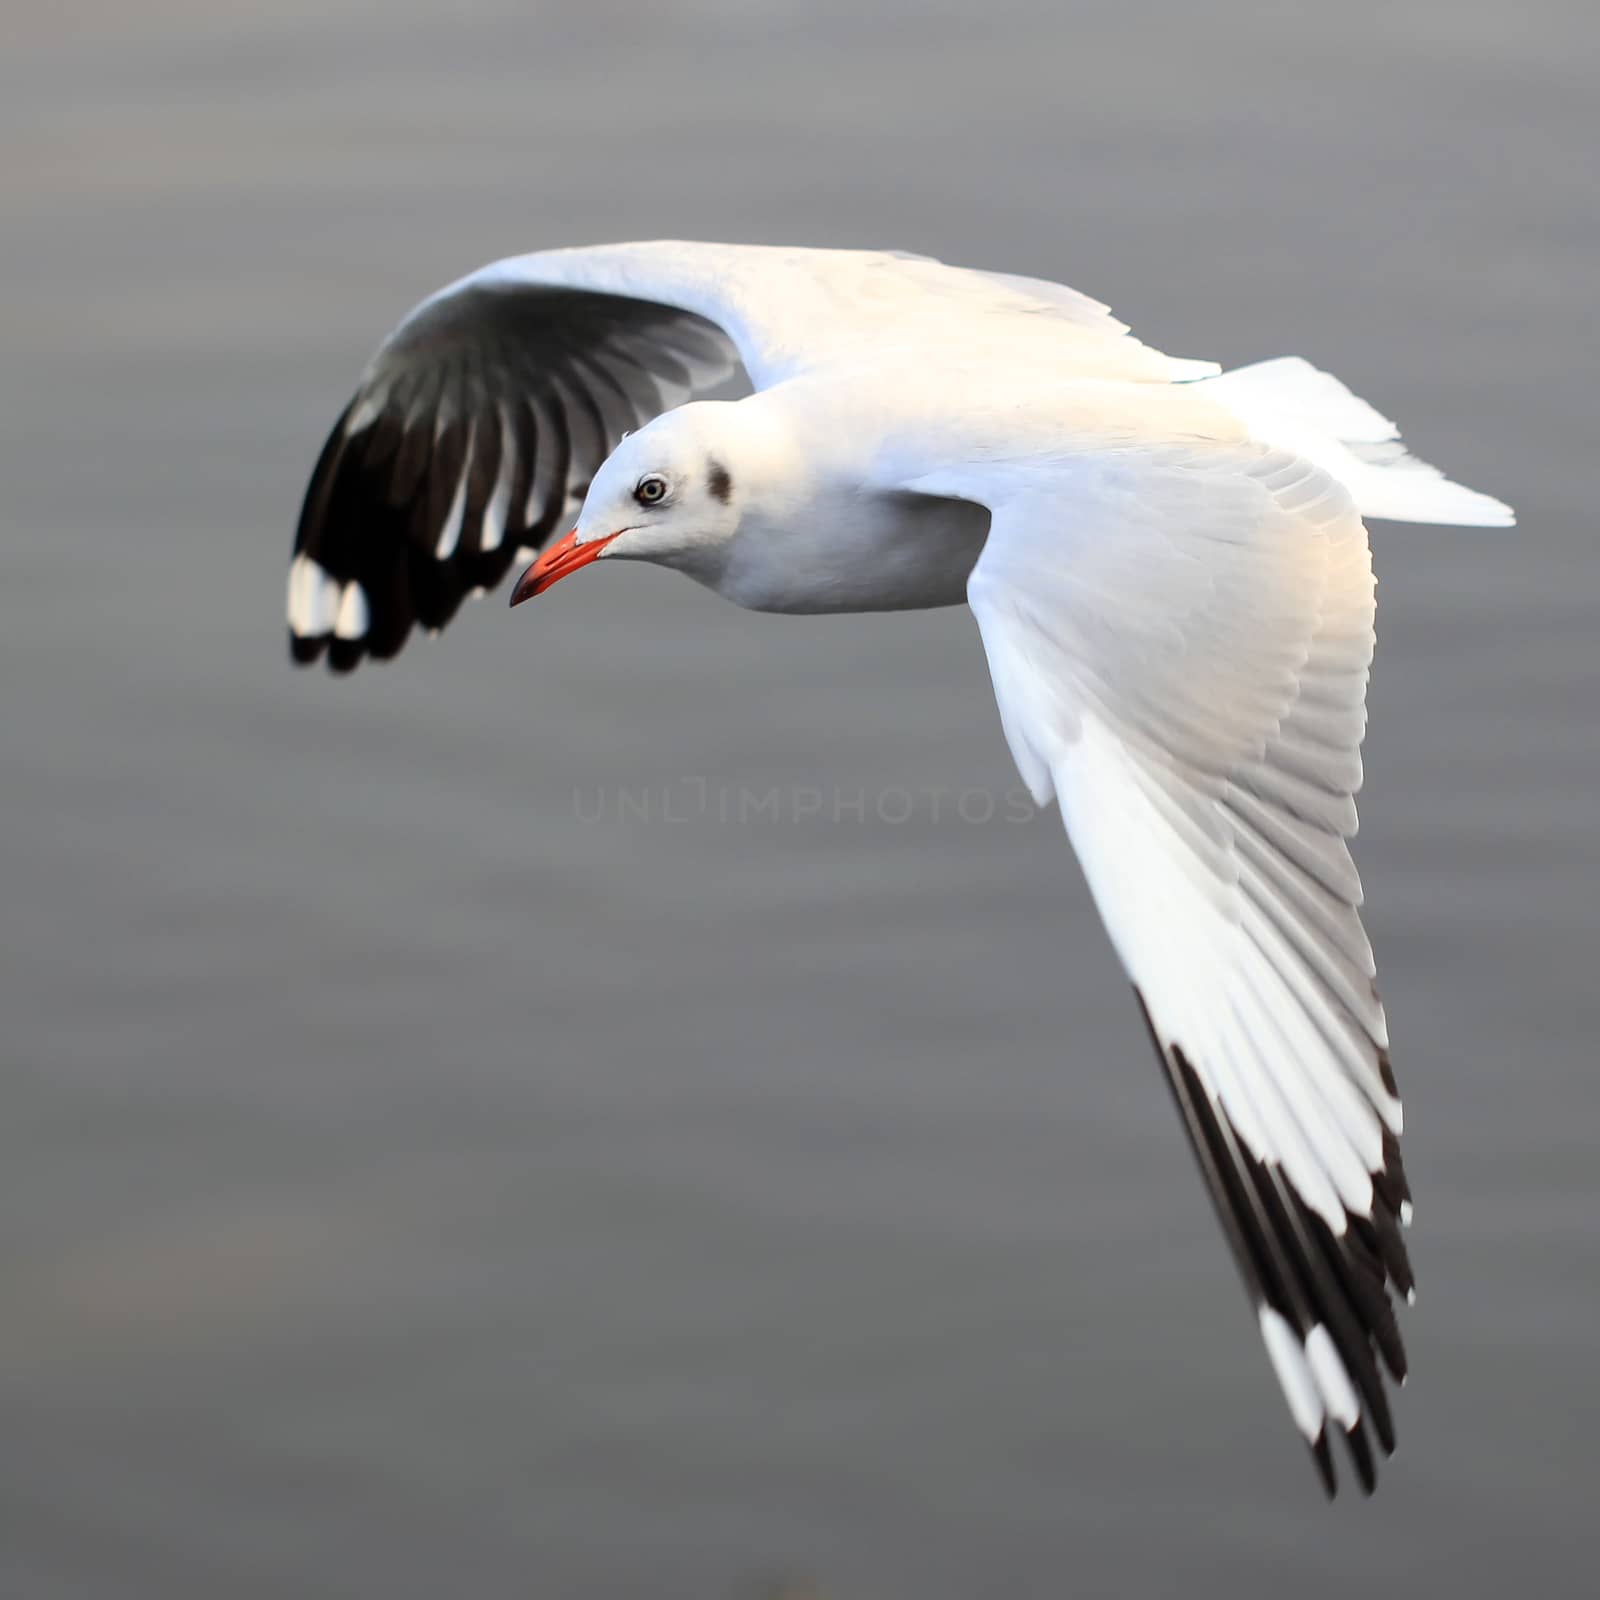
column 414, row 1185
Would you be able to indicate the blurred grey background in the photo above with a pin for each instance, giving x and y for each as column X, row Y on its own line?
column 412, row 1184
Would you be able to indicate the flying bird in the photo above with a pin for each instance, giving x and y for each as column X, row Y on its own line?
column 1171, row 577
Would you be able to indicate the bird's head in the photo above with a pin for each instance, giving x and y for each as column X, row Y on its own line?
column 669, row 493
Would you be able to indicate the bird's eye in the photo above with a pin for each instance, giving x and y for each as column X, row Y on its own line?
column 651, row 489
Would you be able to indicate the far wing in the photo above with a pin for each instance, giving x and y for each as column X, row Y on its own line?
column 471, row 437
column 1180, row 642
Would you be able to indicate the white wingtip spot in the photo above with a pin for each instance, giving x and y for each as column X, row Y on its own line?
column 1334, row 1382
column 1294, row 1375
column 1405, row 1213
column 353, row 615
column 313, row 599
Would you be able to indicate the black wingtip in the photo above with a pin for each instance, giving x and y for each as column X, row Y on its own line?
column 1333, row 1286
column 1322, row 1460
column 1361, row 1454
column 305, row 652
column 344, row 656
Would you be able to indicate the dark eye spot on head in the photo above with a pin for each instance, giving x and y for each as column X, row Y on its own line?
column 719, row 482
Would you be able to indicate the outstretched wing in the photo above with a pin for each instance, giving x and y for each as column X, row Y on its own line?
column 1180, row 640
column 477, row 426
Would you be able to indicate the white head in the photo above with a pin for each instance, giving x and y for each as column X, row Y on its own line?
column 670, row 493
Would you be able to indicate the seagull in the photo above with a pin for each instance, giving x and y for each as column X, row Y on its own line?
column 1170, row 574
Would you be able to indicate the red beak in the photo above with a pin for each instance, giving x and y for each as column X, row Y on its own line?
column 557, row 561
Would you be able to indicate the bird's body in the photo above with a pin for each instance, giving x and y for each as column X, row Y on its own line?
column 1170, row 573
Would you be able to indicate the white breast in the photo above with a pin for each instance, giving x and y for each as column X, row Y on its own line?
column 855, row 551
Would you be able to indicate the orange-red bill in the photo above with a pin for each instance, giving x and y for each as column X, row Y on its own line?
column 557, row 561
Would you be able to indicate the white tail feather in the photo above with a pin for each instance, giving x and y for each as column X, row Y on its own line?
column 1290, row 403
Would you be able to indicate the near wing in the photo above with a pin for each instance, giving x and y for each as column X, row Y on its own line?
column 1179, row 641
column 478, row 424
